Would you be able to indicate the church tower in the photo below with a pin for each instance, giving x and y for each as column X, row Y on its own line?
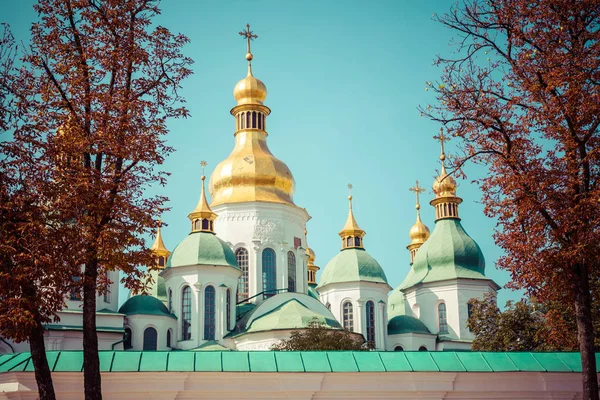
column 252, row 193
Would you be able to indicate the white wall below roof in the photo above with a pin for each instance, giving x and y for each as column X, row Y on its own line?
column 138, row 324
column 282, row 385
column 359, row 293
column 455, row 294
column 411, row 341
column 259, row 225
column 198, row 277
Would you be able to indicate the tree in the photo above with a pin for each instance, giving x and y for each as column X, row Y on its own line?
column 97, row 86
column 319, row 337
column 522, row 96
column 520, row 327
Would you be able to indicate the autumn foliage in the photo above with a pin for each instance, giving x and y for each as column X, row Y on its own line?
column 89, row 107
column 522, row 95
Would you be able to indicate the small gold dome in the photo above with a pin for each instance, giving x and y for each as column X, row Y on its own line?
column 419, row 232
column 311, row 255
column 250, row 90
column 444, row 185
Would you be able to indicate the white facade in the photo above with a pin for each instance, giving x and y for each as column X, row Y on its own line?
column 256, row 226
column 164, row 327
column 335, row 295
column 198, row 278
column 423, row 302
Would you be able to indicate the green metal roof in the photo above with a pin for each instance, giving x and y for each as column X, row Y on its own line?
column 202, row 248
column 405, row 324
column 352, row 265
column 161, row 289
column 312, row 291
column 305, row 361
column 146, row 305
column 449, row 253
column 291, row 314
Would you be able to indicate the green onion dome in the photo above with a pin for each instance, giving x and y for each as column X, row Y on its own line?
column 405, row 324
column 202, row 248
column 352, row 265
column 145, row 305
column 449, row 253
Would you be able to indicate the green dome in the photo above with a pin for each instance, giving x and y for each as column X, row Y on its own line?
column 146, row 305
column 396, row 304
column 352, row 265
column 202, row 248
column 312, row 291
column 449, row 253
column 406, row 324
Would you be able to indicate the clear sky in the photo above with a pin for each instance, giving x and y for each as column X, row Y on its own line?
column 344, row 80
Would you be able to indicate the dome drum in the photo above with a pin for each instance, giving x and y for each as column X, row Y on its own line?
column 446, row 207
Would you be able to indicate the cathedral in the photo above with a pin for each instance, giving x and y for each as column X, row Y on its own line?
column 245, row 277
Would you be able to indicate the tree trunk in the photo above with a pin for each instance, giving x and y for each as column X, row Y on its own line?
column 43, row 377
column 585, row 335
column 91, row 362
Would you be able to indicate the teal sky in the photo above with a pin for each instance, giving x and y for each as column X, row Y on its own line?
column 344, row 80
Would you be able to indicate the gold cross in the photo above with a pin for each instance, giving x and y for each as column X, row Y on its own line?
column 417, row 190
column 441, row 138
column 248, row 35
column 203, row 164
column 349, row 189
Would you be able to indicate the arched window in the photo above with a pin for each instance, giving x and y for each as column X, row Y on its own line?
column 241, row 255
column 254, row 119
column 269, row 272
column 205, row 224
column 168, row 338
column 348, row 316
column 150, row 339
column 442, row 318
column 161, row 261
column 170, row 300
column 248, row 121
column 228, row 309
column 197, row 224
column 291, row 272
column 422, row 348
column 209, row 313
column 264, row 120
column 259, row 121
column 349, row 241
column 186, row 313
column 398, row 348
column 128, row 340
column 357, row 241
column 370, row 322
column 242, row 121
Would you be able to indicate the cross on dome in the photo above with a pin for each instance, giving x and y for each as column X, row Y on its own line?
column 417, row 190
column 249, row 36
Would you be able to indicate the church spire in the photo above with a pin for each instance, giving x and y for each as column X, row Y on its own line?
column 159, row 249
column 419, row 232
column 202, row 217
column 446, row 202
column 351, row 234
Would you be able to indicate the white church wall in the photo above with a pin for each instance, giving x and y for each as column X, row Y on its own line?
column 138, row 323
column 411, row 342
column 359, row 293
column 259, row 225
column 198, row 278
column 422, row 302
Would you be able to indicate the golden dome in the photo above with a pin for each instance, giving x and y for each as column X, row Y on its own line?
column 311, row 256
column 444, row 185
column 419, row 232
column 158, row 247
column 251, row 173
column 250, row 90
column 351, row 227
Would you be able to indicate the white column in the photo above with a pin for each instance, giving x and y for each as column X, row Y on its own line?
column 380, row 327
column 198, row 292
column 359, row 318
column 301, row 272
column 282, row 266
column 254, row 269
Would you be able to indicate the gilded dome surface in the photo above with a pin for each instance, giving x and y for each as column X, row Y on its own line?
column 250, row 90
column 419, row 232
column 444, row 185
column 251, row 173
